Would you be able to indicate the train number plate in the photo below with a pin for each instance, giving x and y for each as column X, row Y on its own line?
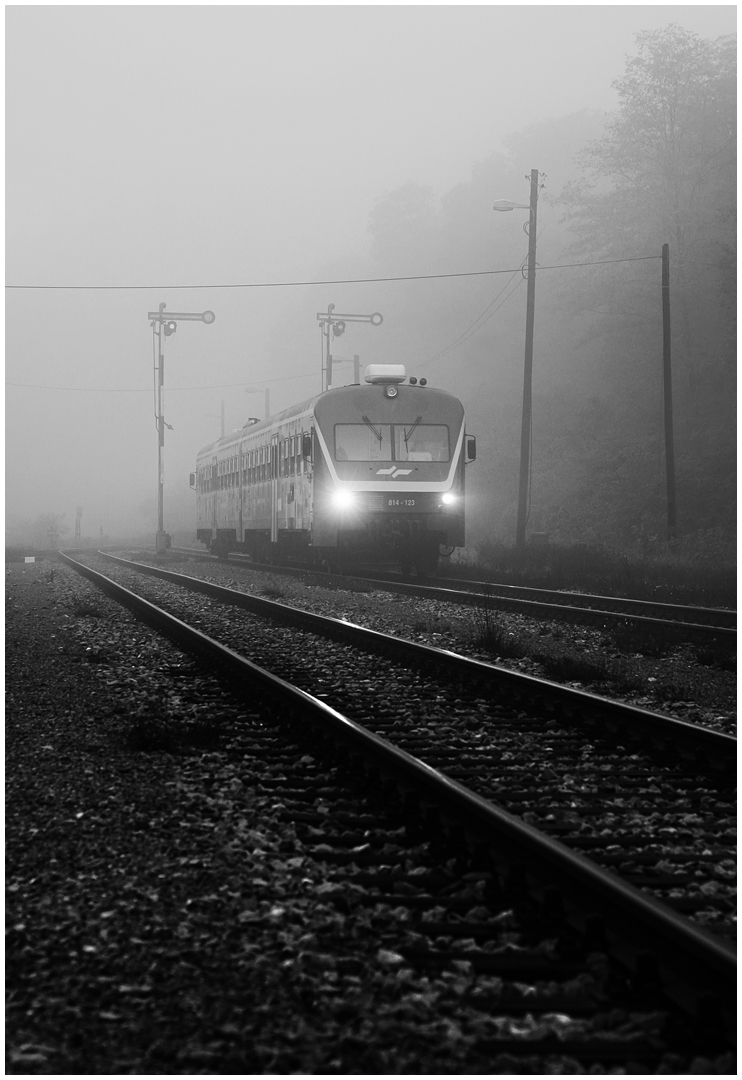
column 400, row 503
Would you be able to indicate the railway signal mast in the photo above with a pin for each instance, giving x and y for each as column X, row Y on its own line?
column 166, row 325
column 333, row 325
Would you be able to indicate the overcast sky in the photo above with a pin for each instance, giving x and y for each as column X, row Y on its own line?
column 176, row 145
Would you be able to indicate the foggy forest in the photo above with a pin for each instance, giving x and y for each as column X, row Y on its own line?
column 614, row 187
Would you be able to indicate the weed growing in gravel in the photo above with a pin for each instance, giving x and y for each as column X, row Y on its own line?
column 151, row 734
column 273, row 591
column 647, row 640
column 85, row 610
column 716, row 655
column 147, row 734
column 492, row 635
column 566, row 668
column 96, row 656
column 675, row 688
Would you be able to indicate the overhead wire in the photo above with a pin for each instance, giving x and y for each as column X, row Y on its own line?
column 136, row 390
column 481, row 320
column 478, row 323
column 335, row 281
column 472, row 329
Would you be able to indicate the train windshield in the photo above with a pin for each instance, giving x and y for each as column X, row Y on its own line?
column 391, row 442
column 421, row 442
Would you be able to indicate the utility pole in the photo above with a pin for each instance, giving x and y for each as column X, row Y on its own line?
column 526, row 424
column 166, row 325
column 667, row 386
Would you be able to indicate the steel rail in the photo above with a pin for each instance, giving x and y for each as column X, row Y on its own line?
column 693, row 963
column 718, row 749
column 583, row 608
column 714, row 617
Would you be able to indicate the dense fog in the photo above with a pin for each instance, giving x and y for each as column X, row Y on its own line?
column 171, row 154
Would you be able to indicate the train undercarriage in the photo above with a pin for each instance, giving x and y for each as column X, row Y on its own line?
column 393, row 543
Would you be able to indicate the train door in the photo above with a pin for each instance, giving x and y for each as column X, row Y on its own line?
column 274, row 487
column 240, row 489
column 214, row 492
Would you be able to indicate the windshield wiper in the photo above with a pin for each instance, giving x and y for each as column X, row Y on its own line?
column 408, row 434
column 376, row 432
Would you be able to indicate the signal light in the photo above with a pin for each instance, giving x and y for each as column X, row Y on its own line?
column 170, row 328
column 338, row 328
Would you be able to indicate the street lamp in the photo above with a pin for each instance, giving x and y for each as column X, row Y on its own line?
column 167, row 325
column 525, row 430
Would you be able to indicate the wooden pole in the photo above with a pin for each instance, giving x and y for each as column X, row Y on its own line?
column 525, row 431
column 667, row 385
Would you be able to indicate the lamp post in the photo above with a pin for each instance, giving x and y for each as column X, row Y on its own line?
column 525, row 430
column 167, row 325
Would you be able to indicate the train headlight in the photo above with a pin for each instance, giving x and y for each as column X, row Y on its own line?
column 448, row 498
column 391, row 390
column 344, row 500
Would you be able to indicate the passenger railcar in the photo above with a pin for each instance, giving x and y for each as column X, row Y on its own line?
column 358, row 475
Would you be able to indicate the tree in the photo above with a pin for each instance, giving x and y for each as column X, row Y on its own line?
column 664, row 172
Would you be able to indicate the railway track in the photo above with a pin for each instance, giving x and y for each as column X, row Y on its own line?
column 651, row 950
column 690, row 621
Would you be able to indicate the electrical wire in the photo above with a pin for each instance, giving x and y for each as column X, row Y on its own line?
column 336, row 281
column 106, row 390
column 471, row 330
column 464, row 336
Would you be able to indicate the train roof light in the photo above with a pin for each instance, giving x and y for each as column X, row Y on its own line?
column 385, row 373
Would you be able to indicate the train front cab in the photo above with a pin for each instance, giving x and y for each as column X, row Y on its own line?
column 389, row 473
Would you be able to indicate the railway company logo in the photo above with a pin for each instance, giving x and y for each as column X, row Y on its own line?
column 393, row 473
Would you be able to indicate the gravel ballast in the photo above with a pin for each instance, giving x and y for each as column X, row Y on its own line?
column 675, row 683
column 134, row 879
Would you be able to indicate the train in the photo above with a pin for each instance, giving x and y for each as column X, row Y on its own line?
column 370, row 475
